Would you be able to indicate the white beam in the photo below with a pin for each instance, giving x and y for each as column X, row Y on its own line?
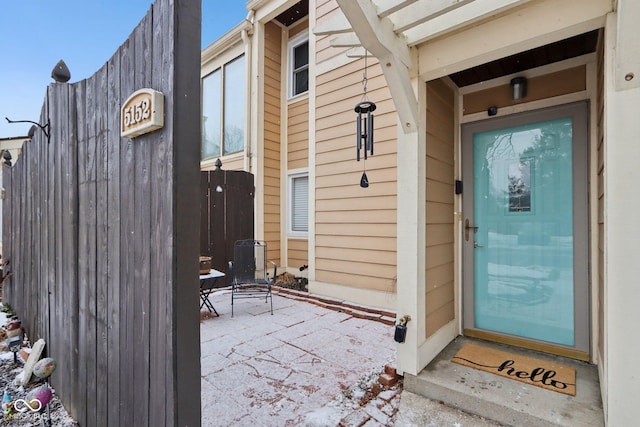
column 401, row 89
column 627, row 59
column 418, row 13
column 468, row 14
column 336, row 24
column 396, row 58
column 357, row 52
column 387, row 7
column 375, row 34
column 346, row 40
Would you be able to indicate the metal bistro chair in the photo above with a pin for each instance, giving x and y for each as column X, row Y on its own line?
column 250, row 278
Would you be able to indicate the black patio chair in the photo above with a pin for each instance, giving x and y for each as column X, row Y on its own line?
column 248, row 270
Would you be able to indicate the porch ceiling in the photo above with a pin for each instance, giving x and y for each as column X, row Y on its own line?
column 294, row 13
column 543, row 55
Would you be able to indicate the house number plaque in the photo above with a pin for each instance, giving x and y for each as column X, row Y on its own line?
column 142, row 113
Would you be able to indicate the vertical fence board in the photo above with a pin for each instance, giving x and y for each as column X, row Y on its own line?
column 205, row 203
column 161, row 232
column 88, row 234
column 127, row 259
column 36, row 317
column 102, row 221
column 84, row 92
column 112, row 256
column 8, row 207
column 42, row 246
column 142, row 245
column 216, row 227
column 57, row 99
column 49, row 225
column 69, row 255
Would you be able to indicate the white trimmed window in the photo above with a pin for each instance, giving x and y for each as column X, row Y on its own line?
column 223, row 110
column 298, row 204
column 299, row 65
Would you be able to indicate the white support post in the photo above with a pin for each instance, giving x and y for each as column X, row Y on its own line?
column 256, row 151
column 621, row 225
column 411, row 244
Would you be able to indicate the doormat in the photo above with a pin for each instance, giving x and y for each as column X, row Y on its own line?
column 540, row 373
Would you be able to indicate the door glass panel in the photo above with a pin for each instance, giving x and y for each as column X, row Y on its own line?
column 523, row 211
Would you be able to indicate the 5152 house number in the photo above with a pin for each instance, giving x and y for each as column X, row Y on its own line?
column 141, row 113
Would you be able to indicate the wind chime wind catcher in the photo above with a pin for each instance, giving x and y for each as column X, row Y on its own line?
column 364, row 126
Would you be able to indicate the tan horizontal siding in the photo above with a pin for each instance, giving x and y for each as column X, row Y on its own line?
column 356, row 228
column 235, row 163
column 298, row 28
column 374, row 216
column 438, row 318
column 439, row 254
column 325, row 10
column 297, row 253
column 439, row 266
column 370, row 243
column 541, row 87
column 272, row 118
column 354, row 207
column 298, row 135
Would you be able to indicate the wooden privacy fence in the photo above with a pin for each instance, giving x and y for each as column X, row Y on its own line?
column 226, row 213
column 99, row 232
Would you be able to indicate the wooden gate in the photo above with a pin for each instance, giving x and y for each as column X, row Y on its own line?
column 101, row 236
column 226, row 213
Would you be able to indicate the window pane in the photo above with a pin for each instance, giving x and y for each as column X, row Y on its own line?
column 234, row 105
column 523, row 205
column 301, row 81
column 211, row 115
column 301, row 55
column 300, row 204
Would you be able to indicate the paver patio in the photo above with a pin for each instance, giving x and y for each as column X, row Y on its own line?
column 260, row 369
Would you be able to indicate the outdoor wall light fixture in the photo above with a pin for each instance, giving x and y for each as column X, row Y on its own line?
column 518, row 88
column 364, row 126
column 45, row 128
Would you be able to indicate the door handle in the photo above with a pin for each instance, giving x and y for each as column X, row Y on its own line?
column 468, row 227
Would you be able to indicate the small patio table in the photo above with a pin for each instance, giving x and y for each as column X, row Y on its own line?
column 208, row 282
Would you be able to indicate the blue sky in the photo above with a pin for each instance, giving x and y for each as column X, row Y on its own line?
column 36, row 34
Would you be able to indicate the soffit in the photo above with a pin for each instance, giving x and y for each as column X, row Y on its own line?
column 555, row 52
column 294, row 14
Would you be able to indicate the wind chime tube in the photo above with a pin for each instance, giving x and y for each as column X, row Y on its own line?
column 370, row 133
column 366, row 136
column 358, row 138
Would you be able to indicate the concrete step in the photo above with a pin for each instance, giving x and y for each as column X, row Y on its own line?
column 507, row 401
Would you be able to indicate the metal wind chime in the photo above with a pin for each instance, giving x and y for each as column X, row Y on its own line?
column 364, row 126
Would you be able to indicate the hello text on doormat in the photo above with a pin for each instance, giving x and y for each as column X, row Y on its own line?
column 548, row 375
